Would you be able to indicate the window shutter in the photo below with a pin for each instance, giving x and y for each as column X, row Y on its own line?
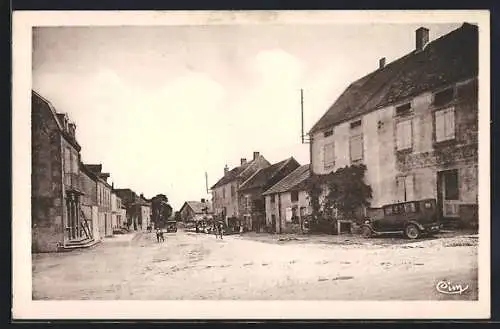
column 450, row 124
column 440, row 129
column 410, row 191
column 400, row 189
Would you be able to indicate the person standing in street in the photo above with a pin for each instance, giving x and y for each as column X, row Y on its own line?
column 220, row 228
column 215, row 228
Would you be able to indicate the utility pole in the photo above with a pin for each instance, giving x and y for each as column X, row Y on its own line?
column 303, row 138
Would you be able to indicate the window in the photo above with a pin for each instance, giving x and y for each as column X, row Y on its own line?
column 273, row 198
column 403, row 109
column 328, row 133
column 451, row 190
column 445, row 124
column 404, row 135
column 247, row 203
column 410, row 207
column 388, row 210
column 404, row 187
column 224, row 193
column 233, row 191
column 356, row 148
column 355, row 124
column 67, row 160
column 295, row 196
column 443, row 97
column 329, row 155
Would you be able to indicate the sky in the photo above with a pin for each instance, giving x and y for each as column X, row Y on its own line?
column 159, row 106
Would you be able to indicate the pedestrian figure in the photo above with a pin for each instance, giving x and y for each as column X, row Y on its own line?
column 159, row 235
column 215, row 230
column 220, row 229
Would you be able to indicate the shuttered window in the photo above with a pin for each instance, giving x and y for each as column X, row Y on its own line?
column 329, row 155
column 356, row 148
column 404, row 135
column 445, row 124
column 405, row 188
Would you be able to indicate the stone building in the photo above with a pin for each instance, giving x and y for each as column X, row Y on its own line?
column 90, row 211
column 252, row 201
column 194, row 211
column 287, row 202
column 56, row 191
column 118, row 213
column 414, row 124
column 103, row 199
column 225, row 196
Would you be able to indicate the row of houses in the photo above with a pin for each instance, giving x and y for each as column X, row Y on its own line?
column 73, row 204
column 413, row 123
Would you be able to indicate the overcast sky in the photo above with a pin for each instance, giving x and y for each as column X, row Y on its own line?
column 159, row 106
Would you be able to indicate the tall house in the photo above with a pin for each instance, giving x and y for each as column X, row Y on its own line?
column 225, row 193
column 414, row 124
column 57, row 220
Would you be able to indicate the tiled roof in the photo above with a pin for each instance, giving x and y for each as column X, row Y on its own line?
column 448, row 59
column 262, row 176
column 197, row 206
column 291, row 181
column 234, row 173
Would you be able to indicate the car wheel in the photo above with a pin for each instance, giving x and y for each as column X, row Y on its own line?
column 366, row 232
column 412, row 231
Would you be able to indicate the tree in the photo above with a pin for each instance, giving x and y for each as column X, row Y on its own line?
column 160, row 210
column 347, row 191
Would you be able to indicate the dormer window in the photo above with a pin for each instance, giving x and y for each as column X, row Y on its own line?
column 328, row 133
column 403, row 109
column 356, row 124
column 444, row 97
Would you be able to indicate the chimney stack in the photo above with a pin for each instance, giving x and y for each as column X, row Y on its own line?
column 255, row 155
column 381, row 63
column 226, row 169
column 421, row 38
column 243, row 161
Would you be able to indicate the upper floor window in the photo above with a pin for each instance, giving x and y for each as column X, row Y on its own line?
column 356, row 148
column 404, row 135
column 355, row 124
column 247, row 202
column 273, row 198
column 445, row 124
column 224, row 192
column 403, row 109
column 67, row 160
column 233, row 191
column 329, row 155
column 295, row 196
column 444, row 97
column 328, row 133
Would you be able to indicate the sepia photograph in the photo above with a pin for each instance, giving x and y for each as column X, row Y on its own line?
column 244, row 159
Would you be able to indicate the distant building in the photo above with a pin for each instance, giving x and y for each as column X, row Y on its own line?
column 144, row 219
column 252, row 202
column 225, row 195
column 287, row 202
column 194, row 211
column 56, row 191
column 118, row 213
column 414, row 124
column 103, row 199
column 90, row 210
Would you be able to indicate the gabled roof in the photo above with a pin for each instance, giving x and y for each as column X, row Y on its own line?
column 448, row 59
column 197, row 206
column 291, row 181
column 235, row 173
column 262, row 176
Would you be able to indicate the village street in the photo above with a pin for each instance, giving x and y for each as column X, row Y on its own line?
column 197, row 266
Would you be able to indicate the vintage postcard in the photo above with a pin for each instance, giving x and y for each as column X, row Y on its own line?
column 251, row 165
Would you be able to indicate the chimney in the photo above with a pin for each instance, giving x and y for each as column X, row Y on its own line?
column 421, row 38
column 381, row 63
column 243, row 161
column 255, row 155
column 226, row 170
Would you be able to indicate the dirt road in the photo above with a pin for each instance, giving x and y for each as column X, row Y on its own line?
column 197, row 266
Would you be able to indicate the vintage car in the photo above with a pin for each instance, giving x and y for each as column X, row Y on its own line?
column 171, row 226
column 412, row 219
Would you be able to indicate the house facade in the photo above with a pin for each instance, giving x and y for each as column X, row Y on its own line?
column 287, row 202
column 414, row 124
column 103, row 199
column 90, row 211
column 56, row 191
column 118, row 215
column 225, row 193
column 195, row 211
column 251, row 199
column 144, row 219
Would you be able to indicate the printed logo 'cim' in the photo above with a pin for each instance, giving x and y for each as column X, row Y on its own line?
column 450, row 288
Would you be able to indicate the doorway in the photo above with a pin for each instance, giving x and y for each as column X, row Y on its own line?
column 448, row 193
